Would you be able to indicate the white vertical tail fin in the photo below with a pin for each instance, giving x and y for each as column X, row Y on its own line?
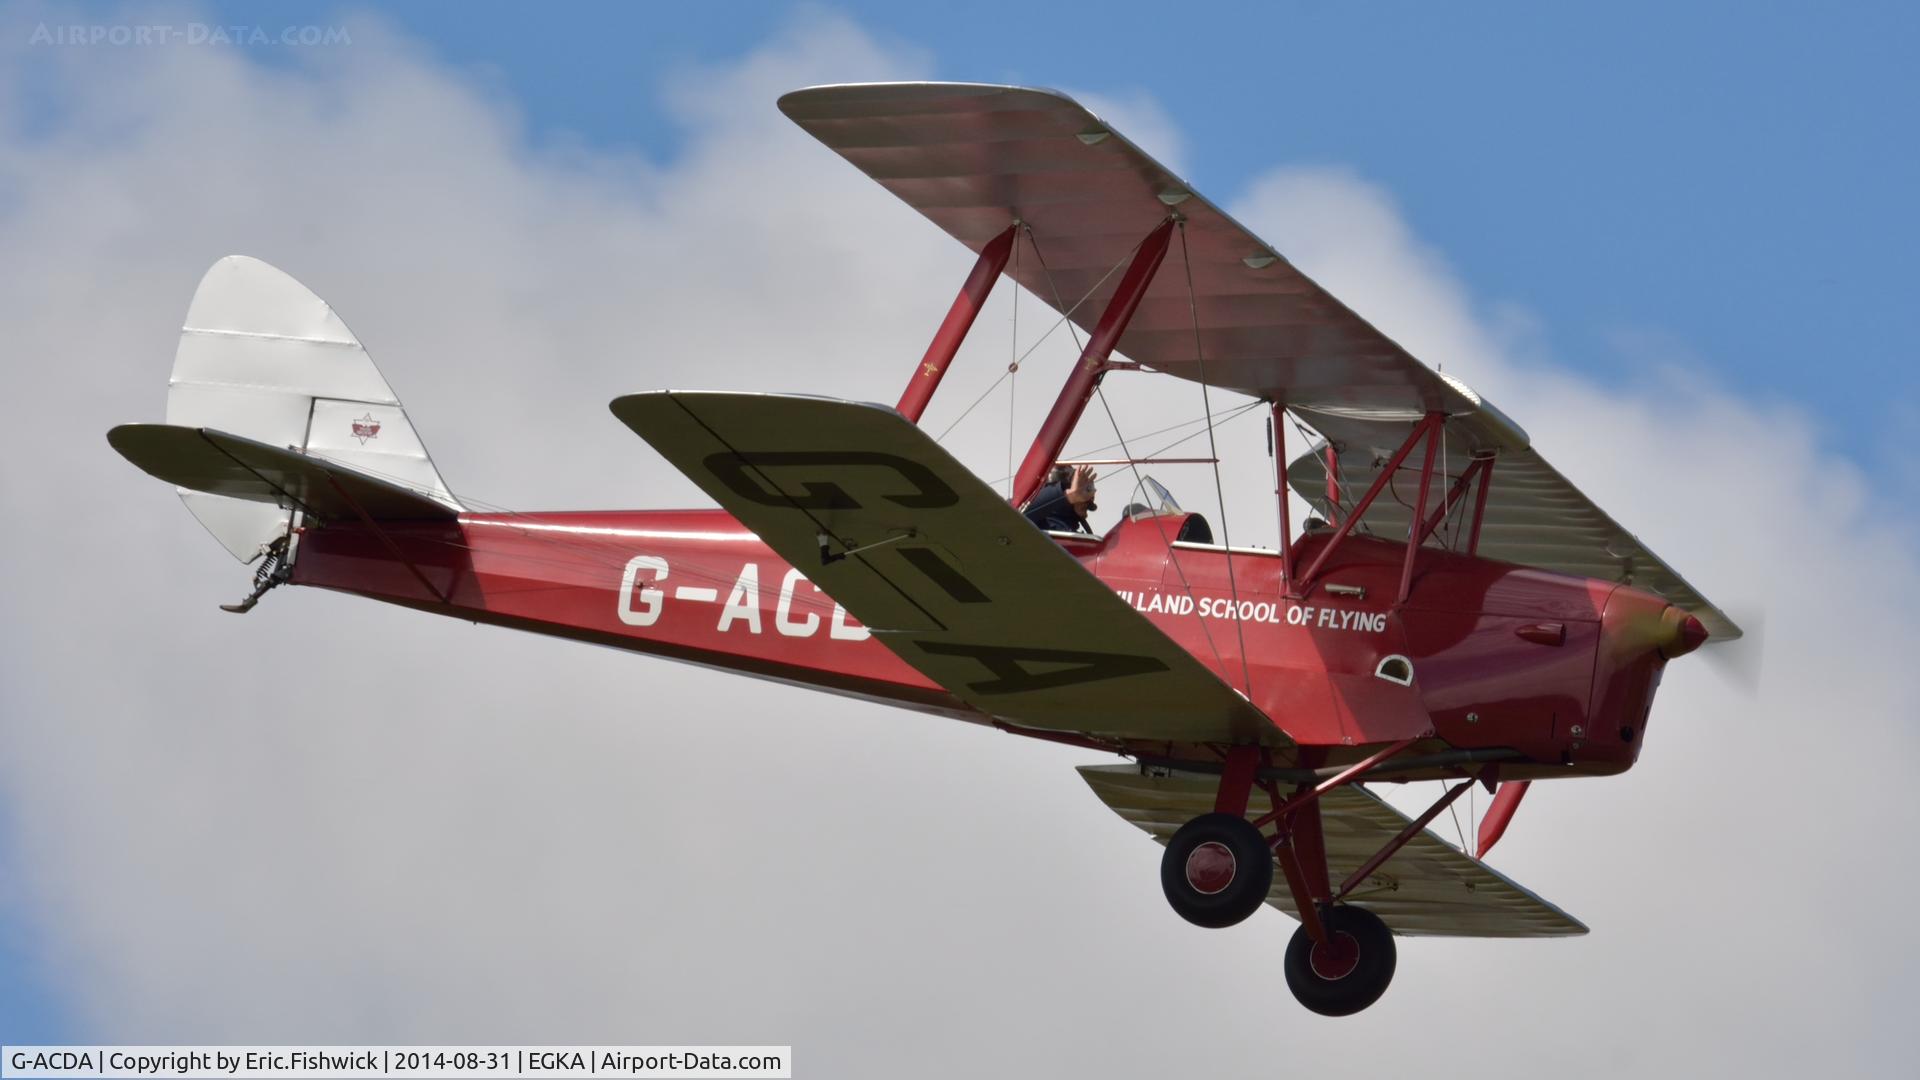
column 261, row 356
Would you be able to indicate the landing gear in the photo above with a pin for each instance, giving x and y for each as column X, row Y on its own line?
column 1347, row 972
column 274, row 570
column 1216, row 870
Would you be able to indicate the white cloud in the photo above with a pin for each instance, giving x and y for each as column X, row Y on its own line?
column 338, row 820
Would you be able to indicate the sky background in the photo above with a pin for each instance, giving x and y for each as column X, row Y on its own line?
column 1674, row 241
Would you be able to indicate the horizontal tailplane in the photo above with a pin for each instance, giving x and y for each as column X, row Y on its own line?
column 228, row 466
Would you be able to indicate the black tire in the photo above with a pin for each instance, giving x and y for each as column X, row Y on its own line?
column 1352, row 983
column 1230, row 876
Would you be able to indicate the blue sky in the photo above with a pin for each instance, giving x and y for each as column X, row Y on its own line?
column 1737, row 177
column 1734, row 180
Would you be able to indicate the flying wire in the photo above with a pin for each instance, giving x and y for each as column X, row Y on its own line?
column 1133, row 465
column 1013, row 366
column 1066, row 315
column 1213, row 451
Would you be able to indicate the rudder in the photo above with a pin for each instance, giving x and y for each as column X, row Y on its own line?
column 261, row 356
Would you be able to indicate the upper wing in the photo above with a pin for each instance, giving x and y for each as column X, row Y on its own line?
column 974, row 158
column 220, row 463
column 1534, row 515
column 1428, row 888
column 939, row 567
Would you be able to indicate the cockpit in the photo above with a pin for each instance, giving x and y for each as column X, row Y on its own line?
column 1151, row 499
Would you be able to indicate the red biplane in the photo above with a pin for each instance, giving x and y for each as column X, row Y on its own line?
column 1486, row 624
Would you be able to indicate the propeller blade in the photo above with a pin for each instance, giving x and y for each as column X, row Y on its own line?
column 1499, row 812
column 1741, row 662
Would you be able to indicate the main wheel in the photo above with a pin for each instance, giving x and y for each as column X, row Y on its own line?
column 1348, row 973
column 1216, row 870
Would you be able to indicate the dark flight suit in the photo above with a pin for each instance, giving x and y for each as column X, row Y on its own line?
column 1051, row 510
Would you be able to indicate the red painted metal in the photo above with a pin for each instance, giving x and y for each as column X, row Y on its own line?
column 1480, row 506
column 1304, row 903
column 1333, row 485
column 1416, row 525
column 1400, row 839
column 1336, row 957
column 1452, row 500
column 1543, row 633
column 953, row 329
column 1309, row 845
column 1087, row 373
column 1346, row 775
column 1359, row 510
column 1210, row 868
column 1480, row 685
column 1236, row 781
column 386, row 541
column 1141, row 460
column 1277, row 420
column 1499, row 813
column 1691, row 635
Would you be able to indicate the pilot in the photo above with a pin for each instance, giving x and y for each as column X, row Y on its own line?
column 1066, row 500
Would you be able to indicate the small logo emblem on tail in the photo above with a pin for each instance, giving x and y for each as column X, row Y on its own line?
column 366, row 428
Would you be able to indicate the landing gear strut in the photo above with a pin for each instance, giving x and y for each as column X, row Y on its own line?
column 1217, row 869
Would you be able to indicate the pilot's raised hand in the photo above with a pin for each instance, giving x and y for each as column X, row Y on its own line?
column 1081, row 490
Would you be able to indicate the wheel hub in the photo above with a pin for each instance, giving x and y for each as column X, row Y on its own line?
column 1210, row 868
column 1336, row 957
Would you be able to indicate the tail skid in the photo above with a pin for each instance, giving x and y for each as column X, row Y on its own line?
column 231, row 469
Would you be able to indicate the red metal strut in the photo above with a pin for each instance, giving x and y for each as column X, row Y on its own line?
column 1400, row 839
column 953, row 329
column 1494, row 825
column 1480, row 508
column 1417, row 524
column 1305, row 795
column 1426, row 428
column 1092, row 365
column 1440, row 513
column 1277, row 426
column 1236, row 780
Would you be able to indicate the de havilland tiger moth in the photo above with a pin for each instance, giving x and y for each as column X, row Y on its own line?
column 1485, row 623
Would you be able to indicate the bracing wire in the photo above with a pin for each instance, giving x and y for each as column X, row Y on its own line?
column 1213, row 451
column 1066, row 316
column 1013, row 365
column 1221, row 419
column 1134, row 467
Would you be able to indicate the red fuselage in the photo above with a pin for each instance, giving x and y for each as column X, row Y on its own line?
column 1502, row 657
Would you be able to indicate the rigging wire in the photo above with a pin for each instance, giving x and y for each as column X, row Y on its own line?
column 1213, row 451
column 1324, row 505
column 588, row 555
column 1066, row 315
column 1133, row 465
column 1013, row 366
column 1221, row 419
